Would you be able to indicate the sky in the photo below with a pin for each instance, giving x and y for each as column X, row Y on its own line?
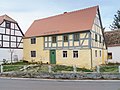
column 26, row 11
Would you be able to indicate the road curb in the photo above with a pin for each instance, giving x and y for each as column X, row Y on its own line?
column 36, row 79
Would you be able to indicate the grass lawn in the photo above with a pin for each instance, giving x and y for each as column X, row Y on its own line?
column 59, row 68
column 14, row 66
column 109, row 68
column 41, row 68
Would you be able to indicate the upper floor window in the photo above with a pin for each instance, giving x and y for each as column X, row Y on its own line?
column 96, row 37
column 75, row 54
column 8, row 25
column 33, row 40
column 76, row 37
column 64, row 54
column 33, row 53
column 54, row 39
column 100, row 39
column 65, row 38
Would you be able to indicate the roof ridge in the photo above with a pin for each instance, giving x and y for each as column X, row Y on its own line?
column 5, row 17
column 66, row 13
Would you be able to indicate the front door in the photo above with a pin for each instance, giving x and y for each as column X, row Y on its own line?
column 52, row 57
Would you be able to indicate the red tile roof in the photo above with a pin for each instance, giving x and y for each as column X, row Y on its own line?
column 112, row 38
column 75, row 21
column 6, row 17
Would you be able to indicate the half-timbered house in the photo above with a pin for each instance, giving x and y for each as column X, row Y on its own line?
column 71, row 38
column 11, row 42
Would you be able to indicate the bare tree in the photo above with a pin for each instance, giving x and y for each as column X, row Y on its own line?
column 11, row 54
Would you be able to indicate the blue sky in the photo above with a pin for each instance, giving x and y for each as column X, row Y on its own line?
column 26, row 11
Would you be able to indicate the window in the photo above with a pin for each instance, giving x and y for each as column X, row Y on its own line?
column 100, row 39
column 100, row 54
column 33, row 40
column 8, row 24
column 110, row 55
column 64, row 54
column 95, row 53
column 96, row 37
column 75, row 54
column 53, row 39
column 33, row 53
column 65, row 38
column 76, row 37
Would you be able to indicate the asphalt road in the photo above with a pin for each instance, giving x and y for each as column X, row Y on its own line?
column 26, row 84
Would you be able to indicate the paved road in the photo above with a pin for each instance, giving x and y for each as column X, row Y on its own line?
column 20, row 84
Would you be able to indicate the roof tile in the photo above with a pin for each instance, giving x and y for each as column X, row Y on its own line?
column 75, row 21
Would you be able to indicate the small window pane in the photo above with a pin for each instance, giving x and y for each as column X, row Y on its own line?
column 64, row 54
column 95, row 53
column 54, row 39
column 100, row 54
column 96, row 37
column 75, row 54
column 100, row 39
column 33, row 40
column 110, row 55
column 8, row 25
column 76, row 37
column 65, row 38
column 33, row 53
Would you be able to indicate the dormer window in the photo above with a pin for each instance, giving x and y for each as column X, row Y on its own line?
column 8, row 24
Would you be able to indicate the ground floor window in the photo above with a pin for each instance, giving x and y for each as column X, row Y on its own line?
column 64, row 54
column 109, row 55
column 33, row 53
column 75, row 54
column 95, row 53
column 100, row 53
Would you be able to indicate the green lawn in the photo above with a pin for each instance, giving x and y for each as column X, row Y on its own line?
column 41, row 68
column 109, row 68
column 14, row 66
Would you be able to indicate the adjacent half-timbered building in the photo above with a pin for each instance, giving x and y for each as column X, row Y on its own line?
column 71, row 38
column 10, row 39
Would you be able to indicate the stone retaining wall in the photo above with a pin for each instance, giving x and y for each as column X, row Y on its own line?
column 78, row 76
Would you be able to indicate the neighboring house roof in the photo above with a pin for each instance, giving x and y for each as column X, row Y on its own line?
column 6, row 17
column 112, row 38
column 68, row 22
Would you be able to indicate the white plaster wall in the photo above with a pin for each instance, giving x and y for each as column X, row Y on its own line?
column 5, row 54
column 115, row 54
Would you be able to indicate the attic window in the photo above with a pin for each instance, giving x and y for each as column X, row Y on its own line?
column 8, row 24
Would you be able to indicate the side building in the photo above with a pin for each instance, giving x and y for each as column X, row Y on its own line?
column 11, row 43
column 71, row 38
column 113, row 43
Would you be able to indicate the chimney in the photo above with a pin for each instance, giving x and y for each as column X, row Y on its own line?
column 65, row 12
